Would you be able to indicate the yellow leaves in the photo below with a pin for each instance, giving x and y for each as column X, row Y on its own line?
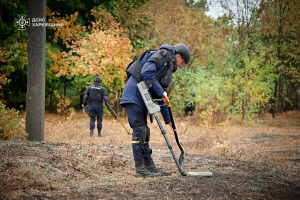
column 176, row 23
column 10, row 123
column 63, row 105
column 104, row 20
column 3, row 80
column 69, row 31
column 60, row 65
column 102, row 51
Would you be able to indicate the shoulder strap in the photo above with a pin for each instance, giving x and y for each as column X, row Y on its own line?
column 161, row 57
column 135, row 67
column 145, row 52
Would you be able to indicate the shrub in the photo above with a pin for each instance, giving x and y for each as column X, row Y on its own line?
column 11, row 124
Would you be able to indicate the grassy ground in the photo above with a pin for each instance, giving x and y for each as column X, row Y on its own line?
column 232, row 139
column 257, row 161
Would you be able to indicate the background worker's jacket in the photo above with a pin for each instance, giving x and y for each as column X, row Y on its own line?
column 149, row 71
column 95, row 94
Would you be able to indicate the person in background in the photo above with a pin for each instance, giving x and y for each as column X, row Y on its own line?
column 155, row 68
column 189, row 105
column 94, row 96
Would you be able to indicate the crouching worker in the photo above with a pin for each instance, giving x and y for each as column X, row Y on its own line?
column 155, row 68
column 94, row 96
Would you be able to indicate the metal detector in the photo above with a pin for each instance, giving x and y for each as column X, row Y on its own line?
column 85, row 110
column 154, row 109
column 116, row 116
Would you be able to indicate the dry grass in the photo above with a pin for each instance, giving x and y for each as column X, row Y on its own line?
column 248, row 161
column 76, row 130
column 258, row 142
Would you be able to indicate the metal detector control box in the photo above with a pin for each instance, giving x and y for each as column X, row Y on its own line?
column 151, row 106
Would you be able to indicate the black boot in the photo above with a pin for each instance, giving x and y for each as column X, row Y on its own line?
column 92, row 132
column 99, row 133
column 152, row 168
column 142, row 171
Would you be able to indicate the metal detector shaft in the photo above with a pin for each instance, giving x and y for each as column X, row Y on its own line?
column 116, row 116
column 123, row 126
column 169, row 144
column 181, row 158
column 154, row 109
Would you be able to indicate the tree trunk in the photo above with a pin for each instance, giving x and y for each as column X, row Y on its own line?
column 280, row 95
column 35, row 99
column 273, row 109
column 297, row 98
column 65, row 88
column 51, row 94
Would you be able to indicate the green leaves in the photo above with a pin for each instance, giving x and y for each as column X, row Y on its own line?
column 243, row 89
column 210, row 94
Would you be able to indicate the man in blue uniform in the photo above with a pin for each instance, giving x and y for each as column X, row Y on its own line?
column 94, row 96
column 155, row 68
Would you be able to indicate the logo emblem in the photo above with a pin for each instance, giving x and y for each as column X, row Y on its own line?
column 22, row 22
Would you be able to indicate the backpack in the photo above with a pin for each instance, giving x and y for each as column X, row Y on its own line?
column 135, row 67
column 160, row 57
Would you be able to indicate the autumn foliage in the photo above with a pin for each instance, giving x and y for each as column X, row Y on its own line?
column 242, row 64
column 100, row 50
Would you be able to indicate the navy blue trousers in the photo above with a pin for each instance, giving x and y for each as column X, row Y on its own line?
column 137, row 117
column 96, row 110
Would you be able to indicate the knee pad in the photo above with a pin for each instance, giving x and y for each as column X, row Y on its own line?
column 139, row 134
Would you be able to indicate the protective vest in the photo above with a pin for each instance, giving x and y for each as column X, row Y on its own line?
column 162, row 57
column 94, row 95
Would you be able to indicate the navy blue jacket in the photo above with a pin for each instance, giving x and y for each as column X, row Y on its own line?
column 149, row 71
column 95, row 94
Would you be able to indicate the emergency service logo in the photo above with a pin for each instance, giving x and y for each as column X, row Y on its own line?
column 22, row 22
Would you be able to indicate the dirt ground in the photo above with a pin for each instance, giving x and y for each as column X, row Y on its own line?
column 257, row 161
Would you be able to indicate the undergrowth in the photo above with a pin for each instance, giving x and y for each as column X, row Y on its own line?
column 11, row 124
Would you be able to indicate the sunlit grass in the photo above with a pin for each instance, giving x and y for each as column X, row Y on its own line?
column 231, row 139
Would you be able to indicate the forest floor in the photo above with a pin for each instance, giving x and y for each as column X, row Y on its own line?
column 248, row 161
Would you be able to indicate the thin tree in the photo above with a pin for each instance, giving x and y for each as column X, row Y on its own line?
column 35, row 99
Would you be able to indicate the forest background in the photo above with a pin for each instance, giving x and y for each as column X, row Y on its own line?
column 243, row 64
